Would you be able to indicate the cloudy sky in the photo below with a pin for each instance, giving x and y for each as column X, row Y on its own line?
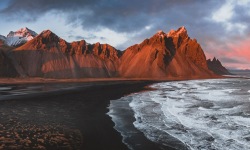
column 220, row 26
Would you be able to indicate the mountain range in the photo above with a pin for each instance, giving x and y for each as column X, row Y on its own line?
column 25, row 53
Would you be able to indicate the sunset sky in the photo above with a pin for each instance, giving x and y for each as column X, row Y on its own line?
column 220, row 26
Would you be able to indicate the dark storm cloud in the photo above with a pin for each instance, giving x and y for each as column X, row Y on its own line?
column 120, row 16
column 242, row 15
column 37, row 7
column 130, row 16
column 140, row 19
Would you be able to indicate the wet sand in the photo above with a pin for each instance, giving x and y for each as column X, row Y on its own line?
column 66, row 119
column 36, row 80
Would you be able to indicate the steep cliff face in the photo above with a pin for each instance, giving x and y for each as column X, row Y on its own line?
column 216, row 66
column 188, row 47
column 148, row 59
column 47, row 55
column 165, row 55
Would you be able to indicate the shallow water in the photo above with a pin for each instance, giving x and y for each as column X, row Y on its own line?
column 8, row 91
column 200, row 114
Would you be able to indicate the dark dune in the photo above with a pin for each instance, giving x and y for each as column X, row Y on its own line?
column 73, row 119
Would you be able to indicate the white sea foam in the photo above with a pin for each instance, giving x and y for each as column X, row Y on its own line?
column 119, row 123
column 201, row 114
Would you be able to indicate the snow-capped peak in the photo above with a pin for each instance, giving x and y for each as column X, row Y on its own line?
column 23, row 32
column 20, row 36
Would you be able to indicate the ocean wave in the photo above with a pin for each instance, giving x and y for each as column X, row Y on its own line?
column 200, row 114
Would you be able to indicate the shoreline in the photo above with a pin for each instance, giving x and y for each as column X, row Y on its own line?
column 82, row 110
column 37, row 80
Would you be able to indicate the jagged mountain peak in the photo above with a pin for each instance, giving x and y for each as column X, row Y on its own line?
column 46, row 40
column 19, row 37
column 23, row 32
column 26, row 29
column 172, row 54
column 49, row 41
column 49, row 37
column 214, row 59
column 47, row 33
column 160, row 33
column 216, row 66
column 182, row 31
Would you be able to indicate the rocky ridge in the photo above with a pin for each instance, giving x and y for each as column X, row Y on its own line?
column 216, row 66
column 47, row 55
column 164, row 55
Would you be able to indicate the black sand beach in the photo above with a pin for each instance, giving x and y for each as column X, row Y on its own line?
column 66, row 119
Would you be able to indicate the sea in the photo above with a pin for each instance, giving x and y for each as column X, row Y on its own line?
column 211, row 114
